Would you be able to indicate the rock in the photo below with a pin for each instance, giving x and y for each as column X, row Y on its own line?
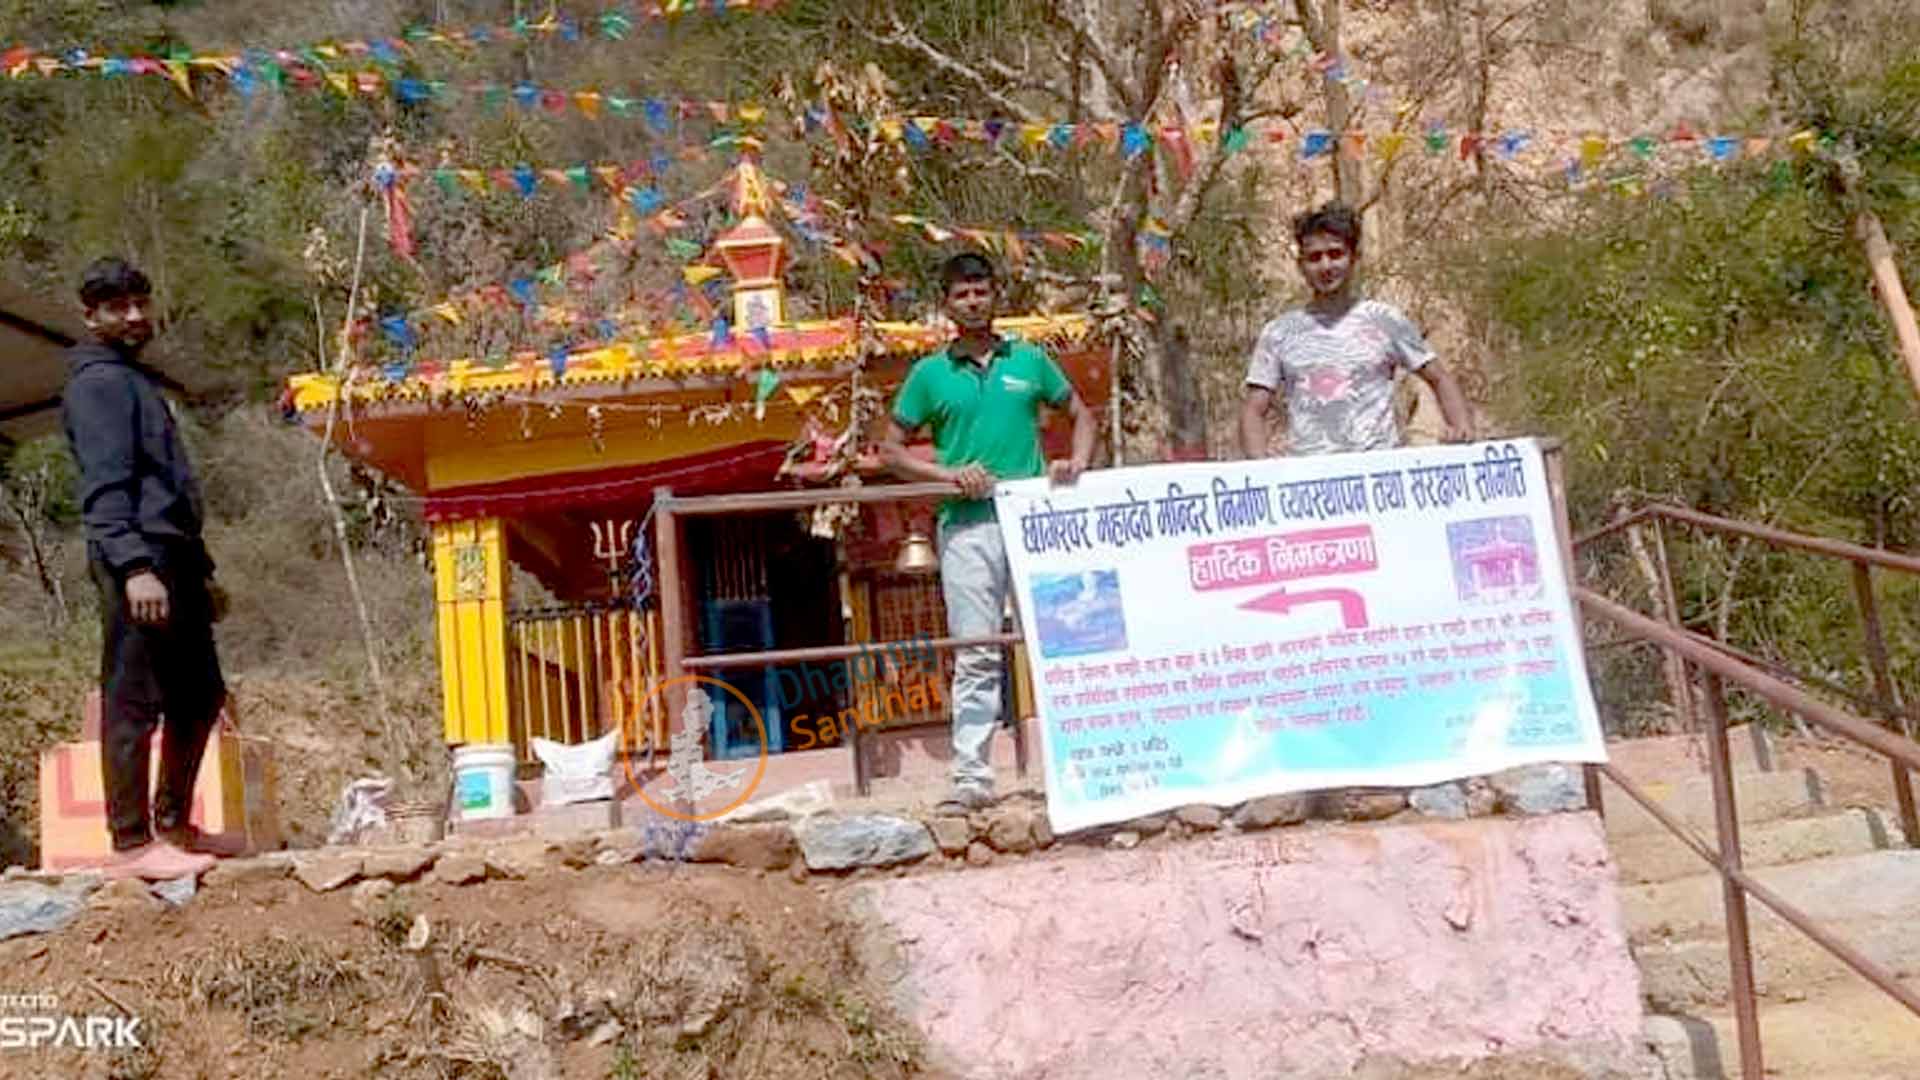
column 979, row 854
column 1149, row 826
column 125, row 894
column 1269, row 810
column 369, row 895
column 327, row 871
column 1447, row 801
column 950, row 834
column 797, row 873
column 578, row 853
column 39, row 907
column 176, row 892
column 271, row 867
column 1373, row 805
column 752, row 847
column 519, row 858
column 1199, row 816
column 1042, row 829
column 459, row 868
column 1482, row 800
column 1532, row 790
column 1010, row 829
column 844, row 843
column 617, row 846
column 397, row 864
column 1124, row 839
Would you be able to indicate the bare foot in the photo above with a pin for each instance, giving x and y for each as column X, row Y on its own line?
column 157, row 861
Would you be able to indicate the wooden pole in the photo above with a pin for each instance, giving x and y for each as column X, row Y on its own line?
column 1893, row 295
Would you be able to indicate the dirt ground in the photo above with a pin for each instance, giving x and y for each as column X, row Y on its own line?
column 611, row 973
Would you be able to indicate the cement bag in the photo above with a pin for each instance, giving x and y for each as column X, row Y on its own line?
column 579, row 773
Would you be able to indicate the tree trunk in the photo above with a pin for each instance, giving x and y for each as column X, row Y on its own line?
column 1321, row 20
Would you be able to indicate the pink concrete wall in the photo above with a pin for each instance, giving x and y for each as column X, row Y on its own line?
column 914, row 755
column 1283, row 954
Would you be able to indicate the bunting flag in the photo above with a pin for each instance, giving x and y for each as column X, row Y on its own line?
column 615, row 23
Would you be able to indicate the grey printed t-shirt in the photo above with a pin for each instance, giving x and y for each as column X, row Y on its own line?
column 1336, row 374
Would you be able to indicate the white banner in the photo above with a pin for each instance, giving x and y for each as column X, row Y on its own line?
column 1213, row 632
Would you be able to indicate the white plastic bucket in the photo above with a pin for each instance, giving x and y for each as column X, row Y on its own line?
column 483, row 781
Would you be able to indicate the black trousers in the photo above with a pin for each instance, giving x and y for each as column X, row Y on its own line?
column 156, row 676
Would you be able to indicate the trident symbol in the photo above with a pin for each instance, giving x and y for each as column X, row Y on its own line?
column 611, row 542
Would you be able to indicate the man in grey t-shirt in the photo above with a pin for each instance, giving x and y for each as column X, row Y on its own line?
column 1335, row 359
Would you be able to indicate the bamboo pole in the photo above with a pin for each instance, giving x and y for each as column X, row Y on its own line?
column 1893, row 295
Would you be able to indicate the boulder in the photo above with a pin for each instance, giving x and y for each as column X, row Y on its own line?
column 1010, row 829
column 847, row 843
column 950, row 834
column 397, row 864
column 1199, row 816
column 327, row 870
column 751, row 847
column 1447, row 801
column 459, row 868
column 1269, row 810
column 1532, row 790
column 38, row 907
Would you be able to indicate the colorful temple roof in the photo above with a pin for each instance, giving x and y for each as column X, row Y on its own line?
column 826, row 345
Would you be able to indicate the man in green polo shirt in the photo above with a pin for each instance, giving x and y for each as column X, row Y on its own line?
column 982, row 396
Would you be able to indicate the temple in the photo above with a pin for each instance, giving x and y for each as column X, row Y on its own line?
column 538, row 475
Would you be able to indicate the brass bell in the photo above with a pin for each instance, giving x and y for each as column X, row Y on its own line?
column 916, row 555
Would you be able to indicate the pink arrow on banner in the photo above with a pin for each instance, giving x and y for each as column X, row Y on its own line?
column 1353, row 606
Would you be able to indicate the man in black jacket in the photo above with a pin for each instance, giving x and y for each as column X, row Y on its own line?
column 142, row 512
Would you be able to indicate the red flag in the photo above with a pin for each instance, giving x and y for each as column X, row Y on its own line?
column 399, row 219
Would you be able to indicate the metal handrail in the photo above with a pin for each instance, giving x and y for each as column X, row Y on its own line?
column 1721, row 662
column 1760, row 684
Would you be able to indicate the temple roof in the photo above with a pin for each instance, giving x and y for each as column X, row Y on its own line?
column 825, row 345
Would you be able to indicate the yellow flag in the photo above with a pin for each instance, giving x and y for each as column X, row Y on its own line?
column 802, row 395
column 752, row 114
column 1033, row 134
column 892, row 130
column 1802, row 141
column 177, row 71
column 339, row 81
column 1592, row 149
column 474, row 179
column 1390, row 145
column 697, row 275
column 610, row 176
column 589, row 103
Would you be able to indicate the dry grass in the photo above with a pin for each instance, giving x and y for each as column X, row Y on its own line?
column 291, row 646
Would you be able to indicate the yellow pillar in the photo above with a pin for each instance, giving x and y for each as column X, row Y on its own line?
column 470, row 590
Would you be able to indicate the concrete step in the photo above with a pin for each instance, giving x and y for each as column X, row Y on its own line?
column 1655, row 857
column 1678, row 932
column 1761, row 796
column 1852, row 1033
column 1678, row 757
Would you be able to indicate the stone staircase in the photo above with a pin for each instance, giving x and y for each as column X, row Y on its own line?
column 1846, row 867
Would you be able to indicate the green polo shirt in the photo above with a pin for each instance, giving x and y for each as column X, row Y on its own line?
column 986, row 415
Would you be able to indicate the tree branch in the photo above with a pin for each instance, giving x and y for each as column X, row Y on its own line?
column 903, row 38
column 1102, row 56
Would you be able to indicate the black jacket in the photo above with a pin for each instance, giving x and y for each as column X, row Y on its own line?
column 137, row 493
